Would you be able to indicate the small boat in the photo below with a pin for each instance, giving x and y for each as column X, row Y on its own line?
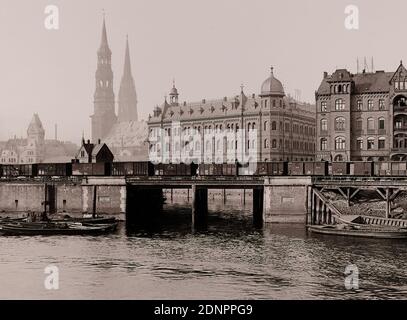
column 52, row 228
column 97, row 220
column 369, row 222
column 355, row 231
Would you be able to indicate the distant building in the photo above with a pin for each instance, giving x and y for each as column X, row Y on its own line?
column 124, row 134
column 35, row 148
column 94, row 153
column 363, row 116
column 284, row 129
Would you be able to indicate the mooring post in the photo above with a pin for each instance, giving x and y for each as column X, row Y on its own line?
column 94, row 201
column 258, row 199
column 199, row 207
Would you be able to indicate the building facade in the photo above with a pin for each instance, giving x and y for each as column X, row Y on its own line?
column 35, row 148
column 266, row 127
column 363, row 116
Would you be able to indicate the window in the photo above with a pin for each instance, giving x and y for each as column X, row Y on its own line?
column 370, row 105
column 381, row 124
column 340, row 124
column 324, row 125
column 396, row 85
column 287, row 127
column 82, row 154
column 359, row 124
column 381, row 104
column 370, row 143
column 370, row 124
column 274, row 125
column 266, row 143
column 324, row 106
column 359, row 144
column 324, row 144
column 382, row 143
column 265, row 126
column 359, row 105
column 340, row 143
column 399, row 124
column 339, row 104
column 274, row 144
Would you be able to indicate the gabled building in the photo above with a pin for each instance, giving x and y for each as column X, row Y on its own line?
column 94, row 153
column 363, row 116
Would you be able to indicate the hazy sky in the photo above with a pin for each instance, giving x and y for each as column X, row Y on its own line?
column 210, row 47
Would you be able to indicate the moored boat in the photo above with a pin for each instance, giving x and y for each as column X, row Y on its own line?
column 355, row 231
column 368, row 222
column 52, row 228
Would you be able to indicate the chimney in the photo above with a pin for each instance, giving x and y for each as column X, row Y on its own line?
column 98, row 141
column 88, row 141
column 325, row 75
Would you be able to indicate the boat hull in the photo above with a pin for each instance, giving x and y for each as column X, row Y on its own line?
column 35, row 229
column 381, row 234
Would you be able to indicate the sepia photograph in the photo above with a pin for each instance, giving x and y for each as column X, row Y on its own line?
column 230, row 151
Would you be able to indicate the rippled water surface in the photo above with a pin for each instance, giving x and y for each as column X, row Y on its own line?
column 231, row 260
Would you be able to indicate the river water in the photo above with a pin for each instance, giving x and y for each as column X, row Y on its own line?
column 231, row 260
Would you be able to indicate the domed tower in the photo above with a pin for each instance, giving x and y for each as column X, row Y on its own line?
column 35, row 132
column 272, row 92
column 127, row 93
column 104, row 116
column 174, row 95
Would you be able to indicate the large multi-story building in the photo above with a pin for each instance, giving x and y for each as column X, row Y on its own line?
column 269, row 127
column 363, row 116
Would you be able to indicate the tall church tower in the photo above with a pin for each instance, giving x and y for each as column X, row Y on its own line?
column 127, row 93
column 104, row 116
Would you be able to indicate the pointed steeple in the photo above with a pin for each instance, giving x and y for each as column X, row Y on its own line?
column 127, row 63
column 104, row 44
column 127, row 93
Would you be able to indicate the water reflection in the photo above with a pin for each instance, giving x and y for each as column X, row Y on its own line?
column 230, row 260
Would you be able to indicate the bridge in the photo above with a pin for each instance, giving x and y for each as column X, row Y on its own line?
column 299, row 199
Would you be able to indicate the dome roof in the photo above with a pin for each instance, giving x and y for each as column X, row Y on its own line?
column 174, row 91
column 272, row 86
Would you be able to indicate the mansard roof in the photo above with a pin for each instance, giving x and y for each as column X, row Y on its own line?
column 227, row 107
column 362, row 82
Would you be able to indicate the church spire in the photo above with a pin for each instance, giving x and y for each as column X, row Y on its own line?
column 127, row 93
column 104, row 116
column 127, row 64
column 104, row 44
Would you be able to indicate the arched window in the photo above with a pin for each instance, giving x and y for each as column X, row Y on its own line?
column 370, row 124
column 359, row 144
column 382, row 143
column 274, row 125
column 266, row 143
column 339, row 158
column 339, row 104
column 324, row 125
column 340, row 124
column 249, row 126
column 381, row 124
column 370, row 105
column 340, row 143
column 370, row 143
column 274, row 144
column 359, row 124
column 253, row 126
column 265, row 126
